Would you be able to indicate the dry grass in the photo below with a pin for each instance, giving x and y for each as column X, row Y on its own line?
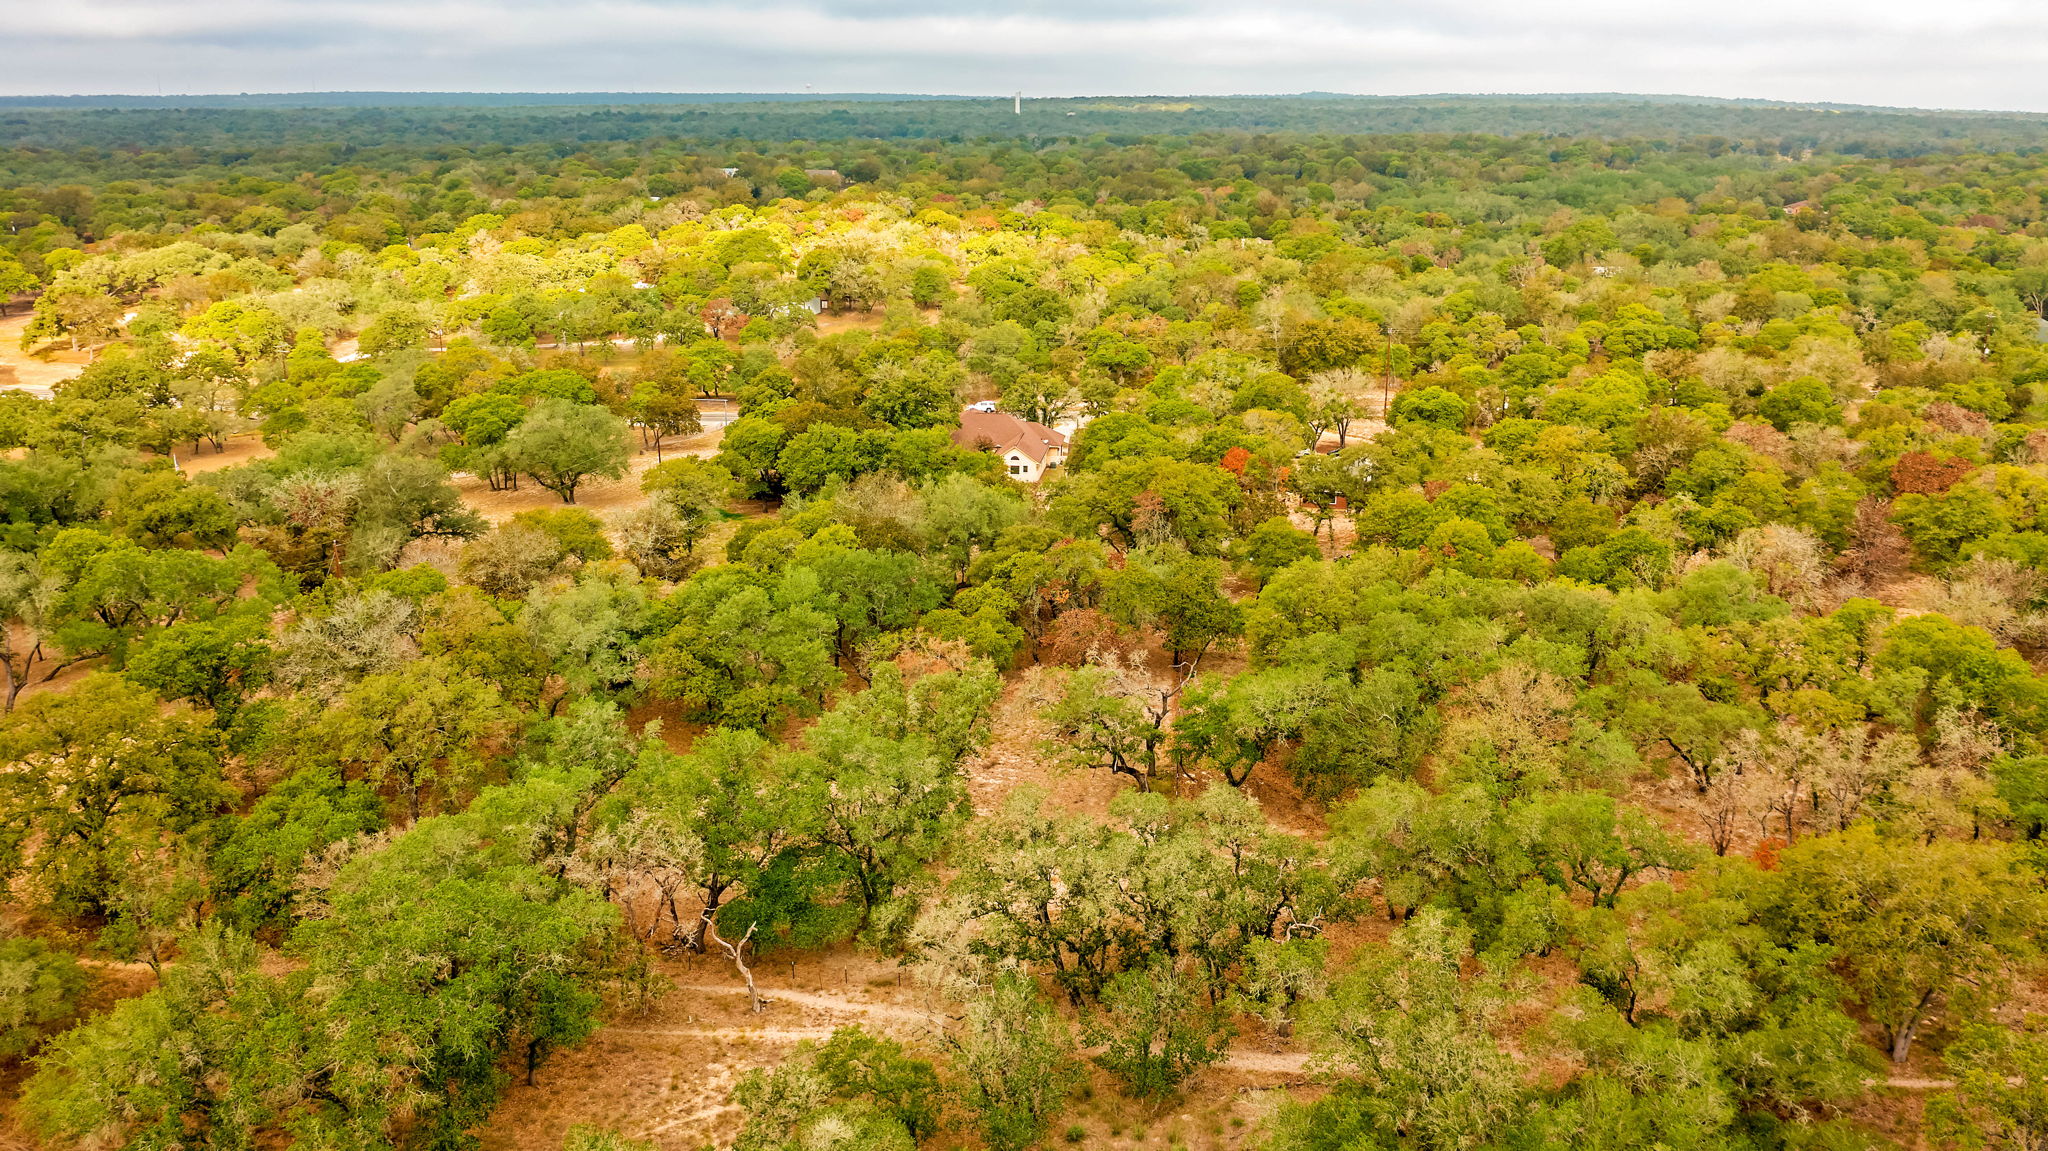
column 1016, row 759
column 831, row 325
column 664, row 1076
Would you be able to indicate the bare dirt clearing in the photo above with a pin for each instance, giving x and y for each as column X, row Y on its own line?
column 1016, row 757
column 235, row 450
column 665, row 1076
column 607, row 499
column 20, row 371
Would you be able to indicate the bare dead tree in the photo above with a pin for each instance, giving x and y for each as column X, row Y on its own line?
column 1878, row 551
column 737, row 952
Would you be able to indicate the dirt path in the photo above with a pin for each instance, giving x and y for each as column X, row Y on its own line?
column 769, row 1034
column 869, row 1013
column 1276, row 1062
column 859, row 1011
column 822, row 1002
column 665, row 1075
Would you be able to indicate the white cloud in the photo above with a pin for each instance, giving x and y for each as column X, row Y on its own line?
column 1966, row 53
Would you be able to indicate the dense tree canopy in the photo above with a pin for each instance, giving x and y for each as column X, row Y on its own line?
column 1547, row 625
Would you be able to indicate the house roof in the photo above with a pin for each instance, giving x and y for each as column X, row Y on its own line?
column 1003, row 432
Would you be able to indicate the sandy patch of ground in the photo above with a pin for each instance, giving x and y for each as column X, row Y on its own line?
column 235, row 450
column 20, row 371
column 607, row 499
column 62, row 681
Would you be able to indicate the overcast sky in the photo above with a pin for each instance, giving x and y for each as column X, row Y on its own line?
column 1923, row 53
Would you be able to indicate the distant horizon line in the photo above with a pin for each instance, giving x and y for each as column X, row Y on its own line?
column 452, row 97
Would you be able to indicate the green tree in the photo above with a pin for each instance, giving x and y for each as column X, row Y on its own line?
column 869, row 593
column 400, row 499
column 1421, row 1043
column 877, row 1069
column 217, row 664
column 259, row 854
column 1015, row 1061
column 726, row 809
column 40, row 988
column 818, row 456
column 887, row 806
column 113, row 591
column 744, row 653
column 160, row 508
column 661, row 398
column 1182, row 596
column 483, row 418
column 1433, row 406
column 1918, row 926
column 1587, row 841
column 92, row 767
column 1805, row 400
column 424, row 732
column 923, row 393
column 398, row 328
column 751, row 450
column 217, row 1053
column 1700, row 965
column 798, row 1105
column 1275, row 544
column 590, row 630
column 1041, row 397
column 577, row 532
column 14, row 280
column 2000, row 1098
column 561, row 444
column 856, row 1091
column 1235, row 723
column 1158, row 1029
column 1962, row 664
column 1109, row 718
column 695, row 490
column 439, row 958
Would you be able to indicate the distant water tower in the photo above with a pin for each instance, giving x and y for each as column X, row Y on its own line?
column 1017, row 104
